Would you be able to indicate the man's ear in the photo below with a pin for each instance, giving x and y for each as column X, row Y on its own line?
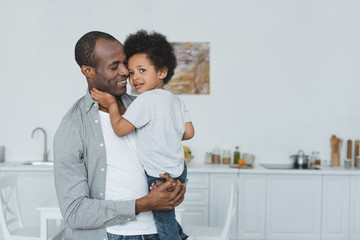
column 163, row 72
column 89, row 72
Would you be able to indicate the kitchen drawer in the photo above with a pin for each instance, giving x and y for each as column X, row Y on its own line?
column 197, row 180
column 195, row 216
column 196, row 197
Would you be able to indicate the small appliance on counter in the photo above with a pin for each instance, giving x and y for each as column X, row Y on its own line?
column 300, row 160
column 284, row 166
column 2, row 153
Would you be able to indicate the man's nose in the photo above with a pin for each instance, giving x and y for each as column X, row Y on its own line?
column 123, row 70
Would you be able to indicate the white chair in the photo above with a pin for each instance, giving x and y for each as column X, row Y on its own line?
column 10, row 217
column 214, row 233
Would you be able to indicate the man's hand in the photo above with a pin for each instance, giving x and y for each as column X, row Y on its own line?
column 167, row 177
column 160, row 198
column 103, row 98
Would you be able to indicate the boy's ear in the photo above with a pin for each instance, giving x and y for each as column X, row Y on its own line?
column 163, row 73
column 89, row 72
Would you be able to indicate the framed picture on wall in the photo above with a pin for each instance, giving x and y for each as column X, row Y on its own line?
column 192, row 74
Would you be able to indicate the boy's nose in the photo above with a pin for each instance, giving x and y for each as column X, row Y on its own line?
column 135, row 76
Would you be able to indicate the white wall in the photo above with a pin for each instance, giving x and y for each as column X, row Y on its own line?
column 284, row 74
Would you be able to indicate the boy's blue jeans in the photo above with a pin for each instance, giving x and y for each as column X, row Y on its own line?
column 167, row 226
column 133, row 237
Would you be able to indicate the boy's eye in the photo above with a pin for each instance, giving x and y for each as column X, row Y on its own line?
column 131, row 73
column 142, row 70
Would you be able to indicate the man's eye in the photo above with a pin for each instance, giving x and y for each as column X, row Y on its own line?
column 114, row 68
column 142, row 70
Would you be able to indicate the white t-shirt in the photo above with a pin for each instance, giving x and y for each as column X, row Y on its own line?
column 125, row 178
column 159, row 118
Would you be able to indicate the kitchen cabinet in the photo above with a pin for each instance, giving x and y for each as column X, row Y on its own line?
column 283, row 204
column 272, row 204
column 293, row 207
column 355, row 208
column 335, row 207
column 251, row 206
column 33, row 188
column 220, row 184
column 196, row 202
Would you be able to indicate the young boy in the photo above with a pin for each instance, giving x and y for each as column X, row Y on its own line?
column 159, row 117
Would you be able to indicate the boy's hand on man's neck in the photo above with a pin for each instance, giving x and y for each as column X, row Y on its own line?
column 120, row 104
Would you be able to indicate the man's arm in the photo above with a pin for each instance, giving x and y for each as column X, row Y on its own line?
column 79, row 209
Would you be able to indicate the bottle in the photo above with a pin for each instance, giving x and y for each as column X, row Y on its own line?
column 236, row 155
column 216, row 155
column 226, row 158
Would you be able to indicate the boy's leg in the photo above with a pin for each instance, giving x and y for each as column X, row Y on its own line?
column 167, row 226
column 183, row 179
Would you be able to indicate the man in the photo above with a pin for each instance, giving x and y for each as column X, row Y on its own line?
column 101, row 186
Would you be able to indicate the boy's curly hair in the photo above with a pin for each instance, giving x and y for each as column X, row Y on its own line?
column 158, row 50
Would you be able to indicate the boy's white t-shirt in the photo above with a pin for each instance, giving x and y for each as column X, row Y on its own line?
column 159, row 118
column 125, row 178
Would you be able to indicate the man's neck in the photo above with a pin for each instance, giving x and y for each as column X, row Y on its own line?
column 121, row 106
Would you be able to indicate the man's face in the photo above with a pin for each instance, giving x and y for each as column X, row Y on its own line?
column 110, row 71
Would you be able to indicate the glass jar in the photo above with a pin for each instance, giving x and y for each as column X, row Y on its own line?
column 208, row 157
column 315, row 159
column 216, row 155
column 226, row 157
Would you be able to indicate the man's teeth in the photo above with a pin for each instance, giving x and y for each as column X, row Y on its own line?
column 121, row 82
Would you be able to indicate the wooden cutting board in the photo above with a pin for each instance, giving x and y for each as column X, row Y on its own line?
column 238, row 166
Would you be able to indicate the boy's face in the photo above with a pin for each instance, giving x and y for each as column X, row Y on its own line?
column 142, row 74
column 110, row 71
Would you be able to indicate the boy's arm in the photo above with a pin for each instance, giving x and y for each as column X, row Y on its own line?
column 121, row 126
column 189, row 131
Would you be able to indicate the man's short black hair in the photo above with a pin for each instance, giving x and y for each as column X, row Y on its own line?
column 84, row 48
column 158, row 50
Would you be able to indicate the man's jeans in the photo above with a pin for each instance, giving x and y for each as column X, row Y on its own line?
column 134, row 237
column 167, row 226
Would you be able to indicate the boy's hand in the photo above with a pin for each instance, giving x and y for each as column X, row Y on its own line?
column 103, row 98
column 167, row 177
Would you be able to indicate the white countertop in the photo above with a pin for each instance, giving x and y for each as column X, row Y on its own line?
column 194, row 167
column 19, row 166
